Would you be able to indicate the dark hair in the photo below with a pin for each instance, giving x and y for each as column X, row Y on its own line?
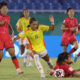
column 69, row 9
column 31, row 21
column 22, row 15
column 62, row 57
column 3, row 3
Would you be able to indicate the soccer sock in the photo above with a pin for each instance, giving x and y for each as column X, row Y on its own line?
column 72, row 50
column 78, row 54
column 26, row 54
column 30, row 60
column 15, row 62
column 38, row 64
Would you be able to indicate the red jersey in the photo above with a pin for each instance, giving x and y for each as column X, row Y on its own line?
column 67, row 69
column 69, row 23
column 4, row 28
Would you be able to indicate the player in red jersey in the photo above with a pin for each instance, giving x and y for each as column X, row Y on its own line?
column 69, row 29
column 5, row 39
column 62, row 61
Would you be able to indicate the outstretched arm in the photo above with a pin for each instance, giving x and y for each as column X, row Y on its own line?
column 16, row 38
column 51, row 19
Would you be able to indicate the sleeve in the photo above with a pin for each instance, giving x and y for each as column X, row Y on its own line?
column 65, row 22
column 18, row 24
column 43, row 27
column 22, row 34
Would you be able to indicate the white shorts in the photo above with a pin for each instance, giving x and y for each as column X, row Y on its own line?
column 23, row 41
column 43, row 54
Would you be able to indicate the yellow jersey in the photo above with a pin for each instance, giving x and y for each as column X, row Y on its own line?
column 36, row 37
column 22, row 23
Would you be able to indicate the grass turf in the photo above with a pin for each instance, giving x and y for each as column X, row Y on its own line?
column 8, row 72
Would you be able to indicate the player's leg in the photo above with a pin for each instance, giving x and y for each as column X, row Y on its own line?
column 64, row 48
column 22, row 48
column 76, row 73
column 1, row 50
column 45, row 56
column 1, row 55
column 30, row 59
column 26, row 55
column 75, row 43
column 38, row 64
column 14, row 60
column 27, row 58
column 10, row 47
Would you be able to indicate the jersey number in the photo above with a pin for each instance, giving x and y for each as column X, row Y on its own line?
column 36, row 36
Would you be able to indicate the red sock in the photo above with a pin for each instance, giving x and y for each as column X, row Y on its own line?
column 15, row 62
column 72, row 50
column 78, row 54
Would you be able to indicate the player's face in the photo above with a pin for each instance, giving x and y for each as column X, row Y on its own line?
column 4, row 10
column 71, row 13
column 34, row 25
column 68, row 60
column 26, row 13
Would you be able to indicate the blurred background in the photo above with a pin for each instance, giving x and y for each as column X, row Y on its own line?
column 41, row 9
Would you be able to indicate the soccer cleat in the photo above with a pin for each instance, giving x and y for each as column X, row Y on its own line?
column 30, row 65
column 42, row 75
column 19, row 71
column 75, row 59
column 50, row 72
column 24, row 64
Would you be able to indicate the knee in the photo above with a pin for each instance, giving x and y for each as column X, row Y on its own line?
column 76, row 46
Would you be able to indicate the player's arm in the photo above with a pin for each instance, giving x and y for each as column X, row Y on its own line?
column 18, row 29
column 11, row 29
column 51, row 19
column 18, row 26
column 16, row 38
column 20, row 35
column 64, row 28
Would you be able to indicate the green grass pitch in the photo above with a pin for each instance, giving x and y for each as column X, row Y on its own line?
column 8, row 72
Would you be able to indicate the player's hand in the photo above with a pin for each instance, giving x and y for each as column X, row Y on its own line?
column 73, row 29
column 12, row 41
column 51, row 19
column 2, row 22
column 12, row 34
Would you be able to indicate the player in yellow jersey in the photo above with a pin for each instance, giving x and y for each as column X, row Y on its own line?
column 35, row 36
column 22, row 25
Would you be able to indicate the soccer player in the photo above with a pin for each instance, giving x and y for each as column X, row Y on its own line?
column 35, row 36
column 62, row 61
column 22, row 25
column 5, row 37
column 69, row 29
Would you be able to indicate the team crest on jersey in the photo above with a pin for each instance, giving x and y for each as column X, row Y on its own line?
column 24, row 23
